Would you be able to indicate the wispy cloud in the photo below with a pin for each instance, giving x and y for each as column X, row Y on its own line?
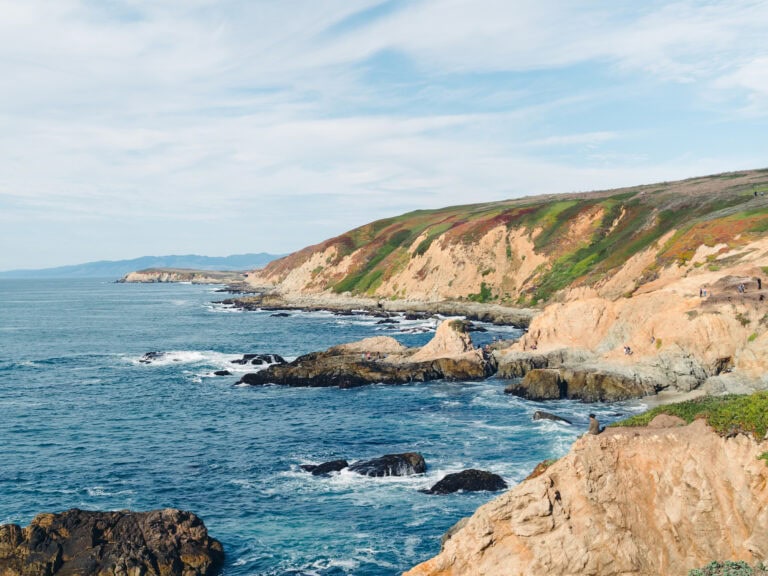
column 270, row 125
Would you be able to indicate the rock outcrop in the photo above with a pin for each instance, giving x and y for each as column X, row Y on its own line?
column 588, row 385
column 449, row 355
column 630, row 501
column 405, row 464
column 469, row 481
column 77, row 542
column 541, row 415
column 325, row 468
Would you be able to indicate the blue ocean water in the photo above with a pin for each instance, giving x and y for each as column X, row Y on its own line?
column 84, row 424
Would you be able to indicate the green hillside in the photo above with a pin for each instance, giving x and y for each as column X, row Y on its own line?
column 726, row 208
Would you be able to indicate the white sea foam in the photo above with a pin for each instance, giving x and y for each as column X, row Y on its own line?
column 95, row 491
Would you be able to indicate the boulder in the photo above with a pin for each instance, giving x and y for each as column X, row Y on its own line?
column 222, row 373
column 280, row 315
column 149, row 357
column 325, row 468
column 404, row 464
column 469, row 481
column 539, row 384
column 541, row 415
column 585, row 384
column 84, row 543
column 603, row 386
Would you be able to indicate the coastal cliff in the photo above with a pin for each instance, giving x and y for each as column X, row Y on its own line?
column 653, row 500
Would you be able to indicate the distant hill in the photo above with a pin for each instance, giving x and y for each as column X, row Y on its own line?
column 119, row 268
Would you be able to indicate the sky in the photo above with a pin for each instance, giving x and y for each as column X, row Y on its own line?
column 150, row 127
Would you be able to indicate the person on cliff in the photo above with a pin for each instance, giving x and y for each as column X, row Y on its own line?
column 594, row 425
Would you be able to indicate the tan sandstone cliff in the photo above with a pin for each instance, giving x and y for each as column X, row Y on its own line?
column 631, row 501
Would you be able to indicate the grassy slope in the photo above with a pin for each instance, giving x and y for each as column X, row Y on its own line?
column 726, row 414
column 708, row 210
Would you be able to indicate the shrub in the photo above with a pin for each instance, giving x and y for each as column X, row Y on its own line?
column 485, row 294
column 743, row 320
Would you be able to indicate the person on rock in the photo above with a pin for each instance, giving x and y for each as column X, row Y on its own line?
column 594, row 425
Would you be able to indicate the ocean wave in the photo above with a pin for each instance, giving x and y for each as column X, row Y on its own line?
column 101, row 491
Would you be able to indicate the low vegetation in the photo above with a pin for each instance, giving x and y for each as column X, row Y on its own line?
column 727, row 415
column 729, row 568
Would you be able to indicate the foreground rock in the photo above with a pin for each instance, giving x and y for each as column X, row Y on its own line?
column 640, row 501
column 469, row 481
column 449, row 355
column 405, row 464
column 77, row 542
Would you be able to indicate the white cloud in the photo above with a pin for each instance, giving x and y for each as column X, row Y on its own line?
column 230, row 113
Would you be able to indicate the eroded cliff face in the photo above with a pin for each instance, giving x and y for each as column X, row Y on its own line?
column 630, row 501
column 691, row 323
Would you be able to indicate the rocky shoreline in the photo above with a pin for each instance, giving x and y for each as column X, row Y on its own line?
column 491, row 313
column 157, row 543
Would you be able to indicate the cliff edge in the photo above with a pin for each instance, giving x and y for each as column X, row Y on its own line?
column 630, row 501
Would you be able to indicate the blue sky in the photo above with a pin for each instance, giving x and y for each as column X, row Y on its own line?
column 146, row 127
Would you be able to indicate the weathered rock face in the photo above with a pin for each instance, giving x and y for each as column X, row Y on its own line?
column 581, row 384
column 404, row 464
column 77, row 542
column 635, row 501
column 539, row 384
column 469, row 481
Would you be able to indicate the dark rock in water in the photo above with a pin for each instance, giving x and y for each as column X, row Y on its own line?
column 471, row 327
column 392, row 465
column 469, row 481
column 417, row 316
column 388, row 321
column 245, row 359
column 77, row 542
column 259, row 359
column 150, row 356
column 222, row 373
column 541, row 415
column 325, row 468
column 280, row 315
column 263, row 359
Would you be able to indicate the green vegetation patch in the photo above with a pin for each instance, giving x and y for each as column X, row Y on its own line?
column 366, row 275
column 485, row 294
column 434, row 233
column 725, row 414
column 729, row 568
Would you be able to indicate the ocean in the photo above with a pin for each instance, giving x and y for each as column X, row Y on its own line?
column 84, row 423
